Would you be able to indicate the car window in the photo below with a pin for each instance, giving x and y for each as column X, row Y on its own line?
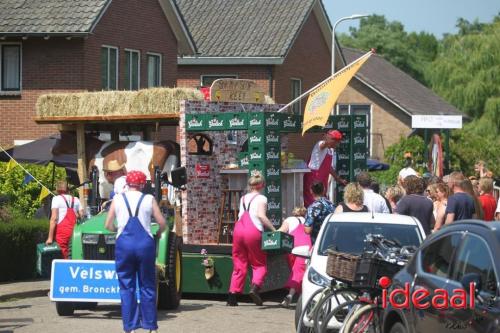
column 474, row 257
column 349, row 237
column 436, row 257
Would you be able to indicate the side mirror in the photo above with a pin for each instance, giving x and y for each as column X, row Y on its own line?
column 179, row 177
column 469, row 278
column 302, row 251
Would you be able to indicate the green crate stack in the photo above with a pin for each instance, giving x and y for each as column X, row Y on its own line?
column 196, row 122
column 359, row 145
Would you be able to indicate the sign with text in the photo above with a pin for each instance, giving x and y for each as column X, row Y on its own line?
column 436, row 121
column 236, row 90
column 202, row 170
column 84, row 281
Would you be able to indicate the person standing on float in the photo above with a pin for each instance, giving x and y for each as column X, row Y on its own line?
column 247, row 238
column 135, row 252
column 321, row 164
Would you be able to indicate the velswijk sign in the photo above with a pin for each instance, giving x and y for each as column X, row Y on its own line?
column 84, row 281
column 436, row 121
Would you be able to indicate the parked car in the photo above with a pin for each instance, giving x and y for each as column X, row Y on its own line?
column 460, row 253
column 346, row 232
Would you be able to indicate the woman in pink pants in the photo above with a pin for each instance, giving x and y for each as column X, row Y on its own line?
column 294, row 225
column 247, row 239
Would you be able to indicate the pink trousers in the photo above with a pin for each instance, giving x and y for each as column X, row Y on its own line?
column 297, row 264
column 247, row 250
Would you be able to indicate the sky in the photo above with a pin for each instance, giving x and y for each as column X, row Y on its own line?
column 434, row 16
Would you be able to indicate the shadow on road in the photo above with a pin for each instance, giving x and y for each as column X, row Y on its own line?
column 15, row 307
column 13, row 324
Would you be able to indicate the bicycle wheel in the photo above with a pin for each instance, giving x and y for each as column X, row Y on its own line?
column 338, row 315
column 305, row 324
column 366, row 319
column 330, row 301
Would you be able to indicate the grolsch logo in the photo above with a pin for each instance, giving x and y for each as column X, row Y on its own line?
column 271, row 138
column 359, row 140
column 328, row 125
column 272, row 155
column 273, row 188
column 214, row 122
column 255, row 122
column 236, row 122
column 245, row 161
column 270, row 242
column 255, row 156
column 343, row 173
column 272, row 171
column 343, row 156
column 359, row 123
column 359, row 156
column 195, row 123
column 273, row 205
column 271, row 121
column 289, row 123
column 255, row 139
column 357, row 171
column 343, row 124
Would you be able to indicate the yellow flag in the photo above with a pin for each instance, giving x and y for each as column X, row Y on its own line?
column 322, row 100
column 43, row 193
column 11, row 165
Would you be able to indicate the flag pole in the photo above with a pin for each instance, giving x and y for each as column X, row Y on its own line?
column 322, row 82
column 6, row 153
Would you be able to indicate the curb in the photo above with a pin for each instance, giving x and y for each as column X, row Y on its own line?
column 24, row 294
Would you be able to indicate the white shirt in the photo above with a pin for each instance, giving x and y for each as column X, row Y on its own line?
column 259, row 199
column 374, row 201
column 120, row 185
column 498, row 206
column 318, row 155
column 405, row 172
column 145, row 211
column 293, row 222
column 58, row 202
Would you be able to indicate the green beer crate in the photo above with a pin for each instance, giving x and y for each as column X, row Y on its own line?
column 291, row 123
column 264, row 120
column 277, row 242
column 274, row 202
column 196, row 122
column 236, row 120
column 264, row 138
column 342, row 123
column 273, row 187
column 44, row 256
column 359, row 122
column 272, row 155
column 243, row 160
column 256, row 153
column 216, row 122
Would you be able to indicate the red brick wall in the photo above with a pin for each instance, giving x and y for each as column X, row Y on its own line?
column 60, row 65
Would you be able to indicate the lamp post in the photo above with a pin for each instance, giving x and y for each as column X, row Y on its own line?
column 352, row 17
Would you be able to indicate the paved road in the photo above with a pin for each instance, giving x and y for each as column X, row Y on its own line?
column 37, row 314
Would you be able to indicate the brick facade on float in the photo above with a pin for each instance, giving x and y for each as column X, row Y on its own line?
column 202, row 199
column 61, row 65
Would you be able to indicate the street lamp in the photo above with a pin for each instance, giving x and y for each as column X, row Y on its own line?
column 352, row 17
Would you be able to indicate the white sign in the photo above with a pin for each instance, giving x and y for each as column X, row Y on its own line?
column 433, row 121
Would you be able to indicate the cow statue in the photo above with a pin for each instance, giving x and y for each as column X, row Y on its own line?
column 136, row 155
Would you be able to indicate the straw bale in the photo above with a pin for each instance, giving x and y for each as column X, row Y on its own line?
column 115, row 103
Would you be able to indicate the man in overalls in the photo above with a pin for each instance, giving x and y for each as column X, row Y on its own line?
column 135, row 252
column 321, row 165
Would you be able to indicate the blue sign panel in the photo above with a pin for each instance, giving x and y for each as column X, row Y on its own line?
column 84, row 281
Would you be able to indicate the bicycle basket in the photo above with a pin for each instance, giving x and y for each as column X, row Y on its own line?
column 341, row 266
column 370, row 270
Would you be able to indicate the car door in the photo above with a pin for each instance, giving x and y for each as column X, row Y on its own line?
column 475, row 256
column 433, row 269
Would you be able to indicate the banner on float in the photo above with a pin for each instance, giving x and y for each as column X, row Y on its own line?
column 84, row 281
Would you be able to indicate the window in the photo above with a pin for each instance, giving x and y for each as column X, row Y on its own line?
column 358, row 109
column 436, row 258
column 109, row 68
column 296, row 91
column 207, row 80
column 474, row 257
column 10, row 67
column 132, row 69
column 154, row 70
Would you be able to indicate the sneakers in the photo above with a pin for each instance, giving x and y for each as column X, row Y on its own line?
column 231, row 300
column 286, row 301
column 254, row 294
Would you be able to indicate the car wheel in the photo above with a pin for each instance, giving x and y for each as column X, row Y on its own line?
column 65, row 309
column 398, row 328
column 170, row 291
column 298, row 310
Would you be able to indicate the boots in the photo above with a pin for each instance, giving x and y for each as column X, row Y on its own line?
column 286, row 301
column 254, row 294
column 231, row 300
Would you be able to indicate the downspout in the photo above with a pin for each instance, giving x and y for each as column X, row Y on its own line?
column 271, row 79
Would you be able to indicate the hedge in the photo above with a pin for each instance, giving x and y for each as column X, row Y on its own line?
column 18, row 240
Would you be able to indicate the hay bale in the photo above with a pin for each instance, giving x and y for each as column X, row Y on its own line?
column 115, row 103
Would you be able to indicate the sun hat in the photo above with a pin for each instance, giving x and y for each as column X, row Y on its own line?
column 135, row 178
column 335, row 134
column 113, row 165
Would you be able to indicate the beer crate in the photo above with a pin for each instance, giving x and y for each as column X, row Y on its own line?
column 274, row 202
column 236, row 120
column 196, row 122
column 277, row 242
column 359, row 122
column 264, row 120
column 243, row 160
column 44, row 256
column 291, row 123
column 270, row 171
column 264, row 137
column 217, row 122
column 342, row 123
column 273, row 187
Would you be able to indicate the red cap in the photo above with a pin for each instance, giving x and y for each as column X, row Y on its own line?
column 335, row 134
column 137, row 178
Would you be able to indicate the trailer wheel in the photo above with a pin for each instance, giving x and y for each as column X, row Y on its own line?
column 170, row 291
column 65, row 309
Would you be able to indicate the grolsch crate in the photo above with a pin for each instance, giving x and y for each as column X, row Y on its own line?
column 277, row 242
column 273, row 187
column 359, row 122
column 196, row 122
column 267, row 120
column 236, row 120
column 243, row 160
column 291, row 123
column 44, row 256
column 342, row 123
column 217, row 122
column 274, row 202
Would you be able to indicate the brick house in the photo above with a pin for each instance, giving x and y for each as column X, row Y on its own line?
column 285, row 46
column 51, row 46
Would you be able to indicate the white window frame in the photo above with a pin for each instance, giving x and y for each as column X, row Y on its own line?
column 160, row 77
column 337, row 112
column 129, row 70
column 117, row 66
column 12, row 92
column 218, row 76
column 298, row 104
